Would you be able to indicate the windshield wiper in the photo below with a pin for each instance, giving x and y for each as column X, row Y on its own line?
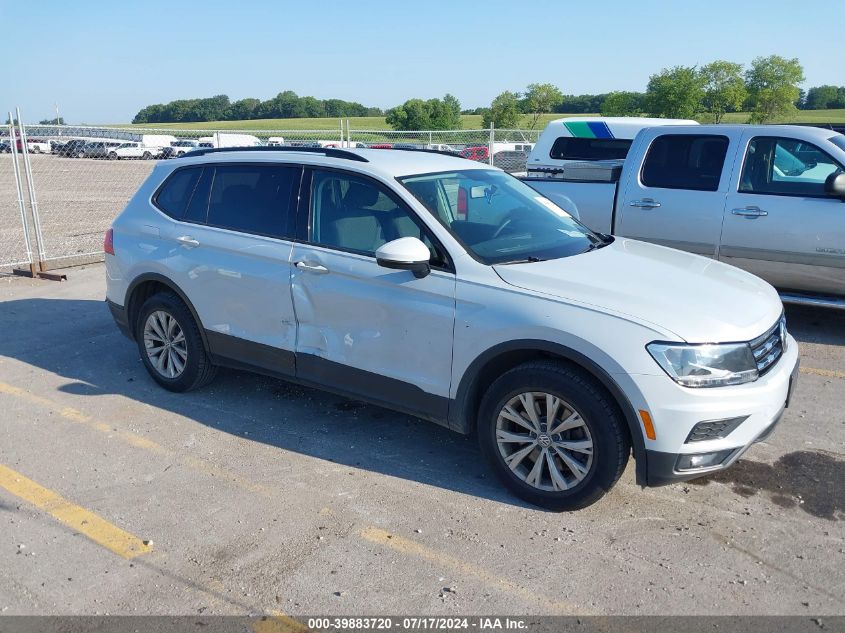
column 525, row 260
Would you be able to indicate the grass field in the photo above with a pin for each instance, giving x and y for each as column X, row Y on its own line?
column 470, row 122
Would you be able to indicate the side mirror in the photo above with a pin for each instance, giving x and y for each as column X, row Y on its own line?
column 406, row 253
column 835, row 185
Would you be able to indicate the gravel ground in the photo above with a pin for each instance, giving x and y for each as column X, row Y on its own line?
column 255, row 496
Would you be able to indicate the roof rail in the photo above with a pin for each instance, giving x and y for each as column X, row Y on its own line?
column 331, row 152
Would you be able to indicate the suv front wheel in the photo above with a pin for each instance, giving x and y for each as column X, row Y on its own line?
column 170, row 344
column 552, row 435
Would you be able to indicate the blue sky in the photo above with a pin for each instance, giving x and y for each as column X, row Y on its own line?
column 104, row 60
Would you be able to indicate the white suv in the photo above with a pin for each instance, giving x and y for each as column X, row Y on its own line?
column 450, row 290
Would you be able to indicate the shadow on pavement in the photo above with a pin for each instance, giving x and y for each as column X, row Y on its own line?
column 812, row 481
column 78, row 340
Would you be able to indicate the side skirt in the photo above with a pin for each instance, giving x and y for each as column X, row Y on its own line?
column 318, row 373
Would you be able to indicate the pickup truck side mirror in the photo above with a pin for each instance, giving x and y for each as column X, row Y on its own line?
column 835, row 185
column 406, row 253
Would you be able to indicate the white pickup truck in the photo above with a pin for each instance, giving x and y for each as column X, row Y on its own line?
column 768, row 199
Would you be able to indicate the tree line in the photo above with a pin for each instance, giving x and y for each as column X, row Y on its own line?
column 285, row 105
column 768, row 89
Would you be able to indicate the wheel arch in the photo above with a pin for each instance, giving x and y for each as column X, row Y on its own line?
column 145, row 286
column 505, row 356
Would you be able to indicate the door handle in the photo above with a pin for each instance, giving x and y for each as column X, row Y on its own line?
column 645, row 203
column 312, row 267
column 187, row 240
column 750, row 212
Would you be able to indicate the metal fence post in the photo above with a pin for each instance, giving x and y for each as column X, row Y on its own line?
column 348, row 134
column 13, row 142
column 341, row 133
column 40, row 254
column 492, row 143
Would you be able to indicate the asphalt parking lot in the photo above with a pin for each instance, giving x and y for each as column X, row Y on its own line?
column 255, row 496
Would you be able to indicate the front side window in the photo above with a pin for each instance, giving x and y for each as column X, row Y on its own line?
column 354, row 214
column 785, row 166
column 685, row 161
column 500, row 219
column 253, row 198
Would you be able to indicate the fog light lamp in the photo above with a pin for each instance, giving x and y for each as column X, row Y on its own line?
column 702, row 460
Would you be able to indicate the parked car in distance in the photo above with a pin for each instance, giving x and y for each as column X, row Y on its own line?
column 381, row 146
column 767, row 199
column 178, row 148
column 39, row 145
column 478, row 153
column 132, row 150
column 71, row 148
column 5, row 147
column 452, row 291
column 97, row 149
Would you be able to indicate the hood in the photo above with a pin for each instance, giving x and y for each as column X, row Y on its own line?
column 698, row 299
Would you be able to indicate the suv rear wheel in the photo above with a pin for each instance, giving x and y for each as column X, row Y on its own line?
column 552, row 435
column 170, row 344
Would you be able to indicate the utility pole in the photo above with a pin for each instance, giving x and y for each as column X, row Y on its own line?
column 57, row 112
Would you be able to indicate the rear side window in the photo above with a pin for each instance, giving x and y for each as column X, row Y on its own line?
column 175, row 194
column 253, row 198
column 685, row 161
column 568, row 148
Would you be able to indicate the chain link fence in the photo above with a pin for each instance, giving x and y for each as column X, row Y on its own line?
column 72, row 181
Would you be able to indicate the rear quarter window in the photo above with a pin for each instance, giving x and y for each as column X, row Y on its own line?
column 685, row 161
column 175, row 194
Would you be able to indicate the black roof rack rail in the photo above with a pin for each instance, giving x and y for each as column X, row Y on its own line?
column 331, row 152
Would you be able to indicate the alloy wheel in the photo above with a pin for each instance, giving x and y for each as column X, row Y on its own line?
column 164, row 342
column 544, row 441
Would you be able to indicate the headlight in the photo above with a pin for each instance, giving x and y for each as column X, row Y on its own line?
column 706, row 365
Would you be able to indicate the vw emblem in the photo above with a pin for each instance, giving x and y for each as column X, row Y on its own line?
column 544, row 440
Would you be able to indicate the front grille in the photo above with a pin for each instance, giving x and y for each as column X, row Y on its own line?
column 769, row 347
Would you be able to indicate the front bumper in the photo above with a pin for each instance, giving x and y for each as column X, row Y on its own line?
column 764, row 403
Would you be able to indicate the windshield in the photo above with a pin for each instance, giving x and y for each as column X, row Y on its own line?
column 500, row 219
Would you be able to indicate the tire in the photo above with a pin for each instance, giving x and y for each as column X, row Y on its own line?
column 36, row 150
column 594, row 424
column 80, row 155
column 197, row 369
column 112, row 156
column 146, row 156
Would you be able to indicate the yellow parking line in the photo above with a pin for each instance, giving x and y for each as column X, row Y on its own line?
column 829, row 373
column 94, row 527
column 412, row 548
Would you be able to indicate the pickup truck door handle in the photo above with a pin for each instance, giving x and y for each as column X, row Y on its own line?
column 187, row 240
column 750, row 212
column 312, row 267
column 645, row 203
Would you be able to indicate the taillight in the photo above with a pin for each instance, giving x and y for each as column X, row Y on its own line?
column 108, row 242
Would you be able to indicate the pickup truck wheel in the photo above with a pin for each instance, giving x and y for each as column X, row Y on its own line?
column 36, row 150
column 146, row 156
column 552, row 435
column 112, row 156
column 170, row 344
column 80, row 155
